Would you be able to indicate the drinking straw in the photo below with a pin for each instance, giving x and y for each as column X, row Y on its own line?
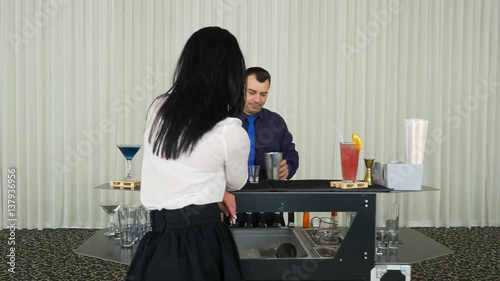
column 340, row 134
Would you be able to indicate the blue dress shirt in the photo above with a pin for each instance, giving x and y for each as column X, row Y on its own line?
column 272, row 135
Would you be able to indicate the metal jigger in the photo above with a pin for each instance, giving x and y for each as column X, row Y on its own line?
column 368, row 174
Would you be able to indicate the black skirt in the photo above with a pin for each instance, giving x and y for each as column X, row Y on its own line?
column 191, row 243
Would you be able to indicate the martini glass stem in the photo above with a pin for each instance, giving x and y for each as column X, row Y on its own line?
column 110, row 225
column 129, row 167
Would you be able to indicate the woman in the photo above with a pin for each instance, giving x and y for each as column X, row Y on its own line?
column 195, row 150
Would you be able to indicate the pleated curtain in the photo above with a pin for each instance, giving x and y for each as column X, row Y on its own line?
column 77, row 77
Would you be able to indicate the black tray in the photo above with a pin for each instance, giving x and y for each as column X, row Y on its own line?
column 318, row 186
column 261, row 186
column 304, row 186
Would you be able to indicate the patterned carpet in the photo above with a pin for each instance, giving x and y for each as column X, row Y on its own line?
column 476, row 255
column 48, row 255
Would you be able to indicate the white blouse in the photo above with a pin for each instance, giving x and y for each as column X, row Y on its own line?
column 219, row 162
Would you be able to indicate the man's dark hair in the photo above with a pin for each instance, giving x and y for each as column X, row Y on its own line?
column 261, row 74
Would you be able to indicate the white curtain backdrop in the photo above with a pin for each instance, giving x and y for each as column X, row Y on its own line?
column 76, row 77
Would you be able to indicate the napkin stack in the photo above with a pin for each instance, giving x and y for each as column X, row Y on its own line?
column 416, row 134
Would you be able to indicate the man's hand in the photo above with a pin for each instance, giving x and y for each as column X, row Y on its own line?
column 228, row 206
column 283, row 170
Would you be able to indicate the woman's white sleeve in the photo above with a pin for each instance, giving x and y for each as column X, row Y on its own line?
column 237, row 150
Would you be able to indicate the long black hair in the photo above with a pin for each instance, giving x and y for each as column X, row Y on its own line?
column 208, row 86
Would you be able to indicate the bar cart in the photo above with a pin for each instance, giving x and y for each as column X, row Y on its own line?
column 354, row 259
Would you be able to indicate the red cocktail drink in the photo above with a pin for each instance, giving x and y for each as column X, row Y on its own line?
column 349, row 157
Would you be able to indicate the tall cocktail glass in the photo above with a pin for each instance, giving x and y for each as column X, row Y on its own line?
column 349, row 157
column 392, row 225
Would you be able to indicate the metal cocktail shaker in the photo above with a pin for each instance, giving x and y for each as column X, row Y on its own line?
column 272, row 161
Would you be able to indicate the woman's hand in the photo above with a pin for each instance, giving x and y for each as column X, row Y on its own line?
column 228, row 206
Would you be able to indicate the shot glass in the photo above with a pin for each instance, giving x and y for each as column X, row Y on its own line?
column 381, row 239
column 392, row 239
column 253, row 173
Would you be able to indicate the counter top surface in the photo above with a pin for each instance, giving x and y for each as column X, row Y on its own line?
column 312, row 186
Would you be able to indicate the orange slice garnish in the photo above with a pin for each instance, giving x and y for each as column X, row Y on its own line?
column 358, row 142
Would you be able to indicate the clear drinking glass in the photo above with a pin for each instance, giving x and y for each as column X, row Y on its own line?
column 392, row 225
column 326, row 232
column 128, row 218
column 144, row 221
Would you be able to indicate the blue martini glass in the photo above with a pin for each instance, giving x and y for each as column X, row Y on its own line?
column 129, row 151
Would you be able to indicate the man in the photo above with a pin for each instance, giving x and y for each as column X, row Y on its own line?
column 270, row 130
